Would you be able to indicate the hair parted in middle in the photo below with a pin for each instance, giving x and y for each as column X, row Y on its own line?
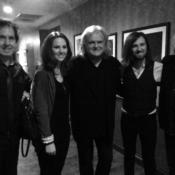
column 6, row 23
column 127, row 53
column 48, row 61
column 10, row 24
column 89, row 31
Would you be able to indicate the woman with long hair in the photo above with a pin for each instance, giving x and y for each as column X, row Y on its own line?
column 51, row 104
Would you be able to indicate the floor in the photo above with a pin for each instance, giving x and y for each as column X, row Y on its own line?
column 29, row 165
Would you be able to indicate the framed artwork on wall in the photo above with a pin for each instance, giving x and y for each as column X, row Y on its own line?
column 158, row 38
column 112, row 44
column 77, row 44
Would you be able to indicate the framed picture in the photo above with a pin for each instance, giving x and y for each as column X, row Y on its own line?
column 158, row 38
column 77, row 44
column 112, row 44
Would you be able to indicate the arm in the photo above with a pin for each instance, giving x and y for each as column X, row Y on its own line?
column 118, row 79
column 27, row 85
column 40, row 94
column 158, row 72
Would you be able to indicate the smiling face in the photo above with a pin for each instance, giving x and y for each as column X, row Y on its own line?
column 59, row 49
column 139, row 48
column 95, row 45
column 8, row 43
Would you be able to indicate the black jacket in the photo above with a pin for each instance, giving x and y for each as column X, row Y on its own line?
column 13, row 80
column 167, row 96
column 93, row 94
column 43, row 93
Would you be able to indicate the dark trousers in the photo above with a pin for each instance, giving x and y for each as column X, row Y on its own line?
column 9, row 156
column 49, row 164
column 85, row 155
column 170, row 149
column 146, row 128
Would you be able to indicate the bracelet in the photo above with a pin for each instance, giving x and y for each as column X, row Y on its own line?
column 48, row 139
column 48, row 143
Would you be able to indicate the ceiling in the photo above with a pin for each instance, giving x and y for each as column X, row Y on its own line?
column 35, row 13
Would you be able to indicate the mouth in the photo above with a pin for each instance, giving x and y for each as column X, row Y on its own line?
column 61, row 56
column 139, row 52
column 7, row 48
column 7, row 51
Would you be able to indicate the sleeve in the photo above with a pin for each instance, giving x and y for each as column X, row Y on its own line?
column 162, row 97
column 71, row 71
column 40, row 95
column 28, row 82
column 26, row 78
column 158, row 71
column 118, row 79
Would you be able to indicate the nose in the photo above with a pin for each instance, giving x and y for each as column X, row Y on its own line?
column 7, row 41
column 139, row 48
column 95, row 44
column 61, row 51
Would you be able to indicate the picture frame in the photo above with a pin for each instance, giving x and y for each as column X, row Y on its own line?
column 112, row 44
column 77, row 44
column 158, row 38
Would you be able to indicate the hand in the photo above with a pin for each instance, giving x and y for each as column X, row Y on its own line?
column 25, row 95
column 50, row 149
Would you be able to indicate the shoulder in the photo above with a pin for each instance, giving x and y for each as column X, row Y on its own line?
column 21, row 72
column 42, row 75
column 77, row 59
column 158, row 65
column 114, row 61
column 76, row 62
column 18, row 70
column 170, row 59
column 169, row 66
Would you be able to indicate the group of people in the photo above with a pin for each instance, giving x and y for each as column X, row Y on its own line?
column 78, row 94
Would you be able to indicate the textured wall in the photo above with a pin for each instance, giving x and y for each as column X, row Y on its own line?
column 117, row 15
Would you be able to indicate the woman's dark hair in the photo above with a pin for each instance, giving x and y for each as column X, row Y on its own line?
column 6, row 23
column 48, row 61
column 127, row 53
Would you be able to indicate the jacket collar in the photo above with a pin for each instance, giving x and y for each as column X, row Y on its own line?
column 16, row 67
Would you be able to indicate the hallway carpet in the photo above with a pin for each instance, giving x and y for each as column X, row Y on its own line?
column 29, row 165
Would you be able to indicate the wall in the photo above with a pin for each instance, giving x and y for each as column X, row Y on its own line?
column 117, row 16
column 29, row 50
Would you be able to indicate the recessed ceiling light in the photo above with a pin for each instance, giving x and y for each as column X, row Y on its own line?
column 7, row 9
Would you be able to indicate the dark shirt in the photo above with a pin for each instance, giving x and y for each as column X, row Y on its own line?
column 60, row 115
column 139, row 94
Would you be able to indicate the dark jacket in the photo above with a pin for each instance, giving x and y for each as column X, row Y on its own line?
column 43, row 94
column 13, row 82
column 167, row 95
column 91, row 113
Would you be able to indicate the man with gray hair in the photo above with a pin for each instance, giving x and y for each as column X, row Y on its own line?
column 94, row 80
